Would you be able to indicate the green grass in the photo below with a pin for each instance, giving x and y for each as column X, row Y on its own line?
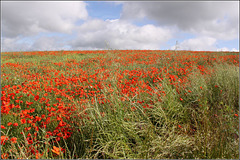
column 201, row 126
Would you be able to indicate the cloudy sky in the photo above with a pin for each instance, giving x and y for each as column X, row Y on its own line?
column 31, row 26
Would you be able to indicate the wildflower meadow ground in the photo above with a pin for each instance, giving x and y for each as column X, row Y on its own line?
column 113, row 104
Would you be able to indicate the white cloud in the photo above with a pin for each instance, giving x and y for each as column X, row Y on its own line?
column 198, row 44
column 201, row 44
column 227, row 49
column 235, row 50
column 218, row 20
column 49, row 43
column 223, row 49
column 38, row 25
column 30, row 18
column 120, row 35
column 95, row 34
column 13, row 44
column 34, row 43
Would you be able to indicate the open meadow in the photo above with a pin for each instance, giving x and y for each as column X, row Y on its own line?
column 113, row 104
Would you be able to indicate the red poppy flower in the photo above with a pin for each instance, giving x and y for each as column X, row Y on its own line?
column 56, row 150
column 3, row 127
column 23, row 121
column 4, row 155
column 29, row 103
column 36, row 97
column 15, row 124
column 4, row 139
column 13, row 140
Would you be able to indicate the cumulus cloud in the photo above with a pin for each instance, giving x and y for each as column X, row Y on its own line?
column 50, row 43
column 201, row 44
column 13, row 44
column 227, row 49
column 30, row 18
column 235, row 50
column 198, row 44
column 66, row 25
column 216, row 19
column 96, row 33
column 34, row 43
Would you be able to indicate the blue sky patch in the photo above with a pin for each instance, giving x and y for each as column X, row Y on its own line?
column 104, row 10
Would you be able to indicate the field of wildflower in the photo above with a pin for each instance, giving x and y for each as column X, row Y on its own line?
column 113, row 104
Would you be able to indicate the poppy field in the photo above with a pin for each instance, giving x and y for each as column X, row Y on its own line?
column 113, row 104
